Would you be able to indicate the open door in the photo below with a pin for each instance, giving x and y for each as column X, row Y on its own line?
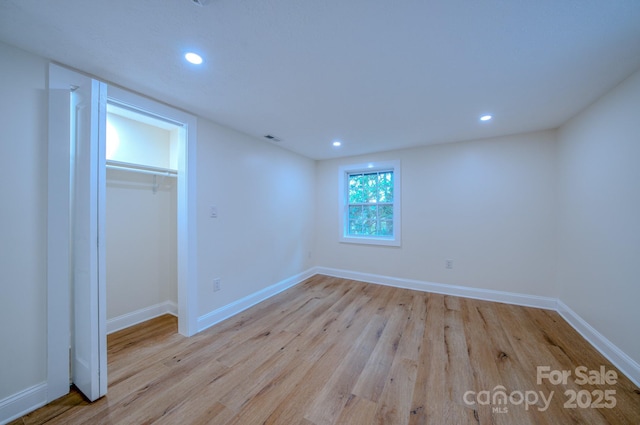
column 88, row 351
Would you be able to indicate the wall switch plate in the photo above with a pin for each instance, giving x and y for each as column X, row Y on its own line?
column 213, row 211
column 216, row 284
column 448, row 264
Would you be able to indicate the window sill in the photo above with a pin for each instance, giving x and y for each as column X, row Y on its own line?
column 370, row 240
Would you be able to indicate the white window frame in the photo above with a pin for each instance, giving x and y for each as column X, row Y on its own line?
column 343, row 203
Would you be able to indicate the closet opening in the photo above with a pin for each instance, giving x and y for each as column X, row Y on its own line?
column 141, row 206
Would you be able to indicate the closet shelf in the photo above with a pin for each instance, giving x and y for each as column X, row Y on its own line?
column 144, row 169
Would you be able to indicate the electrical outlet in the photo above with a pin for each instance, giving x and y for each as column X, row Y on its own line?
column 448, row 264
column 216, row 284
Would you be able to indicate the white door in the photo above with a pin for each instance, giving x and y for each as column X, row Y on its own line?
column 89, row 351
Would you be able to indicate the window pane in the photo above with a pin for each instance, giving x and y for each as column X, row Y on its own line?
column 356, row 220
column 370, row 225
column 386, row 212
column 371, row 188
column 356, row 187
column 386, row 228
column 385, row 187
column 353, row 183
column 370, row 212
column 355, row 212
column 355, row 228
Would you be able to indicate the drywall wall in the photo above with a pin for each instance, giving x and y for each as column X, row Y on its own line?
column 23, row 261
column 132, row 141
column 140, row 232
column 265, row 225
column 488, row 205
column 599, row 215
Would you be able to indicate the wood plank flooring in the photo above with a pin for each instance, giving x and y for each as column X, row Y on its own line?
column 335, row 351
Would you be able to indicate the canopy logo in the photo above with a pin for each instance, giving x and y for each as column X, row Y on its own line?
column 598, row 398
column 499, row 398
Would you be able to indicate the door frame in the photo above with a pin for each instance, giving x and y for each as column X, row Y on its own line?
column 59, row 306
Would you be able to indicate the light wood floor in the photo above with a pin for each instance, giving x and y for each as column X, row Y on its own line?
column 334, row 351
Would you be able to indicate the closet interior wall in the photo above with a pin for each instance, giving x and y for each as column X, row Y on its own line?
column 141, row 223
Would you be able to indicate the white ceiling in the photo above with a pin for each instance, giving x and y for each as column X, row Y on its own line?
column 376, row 74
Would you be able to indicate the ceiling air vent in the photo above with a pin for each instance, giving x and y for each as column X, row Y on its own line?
column 272, row 138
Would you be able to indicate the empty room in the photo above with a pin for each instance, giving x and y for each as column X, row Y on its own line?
column 305, row 212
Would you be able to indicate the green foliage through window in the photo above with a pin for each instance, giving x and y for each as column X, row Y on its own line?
column 370, row 209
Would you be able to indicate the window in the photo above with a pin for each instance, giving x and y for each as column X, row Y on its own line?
column 370, row 203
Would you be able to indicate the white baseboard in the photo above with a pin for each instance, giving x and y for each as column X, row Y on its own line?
column 242, row 304
column 142, row 315
column 619, row 358
column 546, row 303
column 21, row 403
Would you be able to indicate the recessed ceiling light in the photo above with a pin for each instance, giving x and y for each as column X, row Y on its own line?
column 193, row 58
column 486, row 117
column 337, row 143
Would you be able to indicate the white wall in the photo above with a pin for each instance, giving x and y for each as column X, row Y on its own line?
column 265, row 225
column 23, row 240
column 599, row 219
column 139, row 143
column 489, row 205
column 140, row 242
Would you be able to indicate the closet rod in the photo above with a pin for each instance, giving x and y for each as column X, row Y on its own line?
column 144, row 169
